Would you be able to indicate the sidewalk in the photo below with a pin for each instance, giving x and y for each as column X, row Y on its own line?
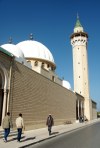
column 34, row 136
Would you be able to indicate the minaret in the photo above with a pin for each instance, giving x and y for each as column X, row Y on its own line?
column 79, row 41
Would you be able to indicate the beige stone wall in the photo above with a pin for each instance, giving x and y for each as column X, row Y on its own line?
column 80, row 66
column 36, row 96
column 50, row 74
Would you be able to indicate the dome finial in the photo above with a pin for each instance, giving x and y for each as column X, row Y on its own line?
column 10, row 40
column 31, row 36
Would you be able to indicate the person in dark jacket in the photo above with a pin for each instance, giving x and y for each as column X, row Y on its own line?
column 50, row 123
column 6, row 126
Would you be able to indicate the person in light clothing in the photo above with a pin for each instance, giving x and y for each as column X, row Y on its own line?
column 6, row 126
column 20, row 126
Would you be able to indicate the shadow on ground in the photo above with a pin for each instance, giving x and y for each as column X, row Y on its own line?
column 54, row 133
column 30, row 138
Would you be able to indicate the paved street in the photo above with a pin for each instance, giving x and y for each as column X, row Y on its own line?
column 87, row 137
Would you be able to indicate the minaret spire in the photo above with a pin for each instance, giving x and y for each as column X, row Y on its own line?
column 77, row 16
column 78, row 27
column 78, row 24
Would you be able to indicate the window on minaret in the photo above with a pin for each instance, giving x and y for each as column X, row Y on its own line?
column 42, row 65
column 36, row 63
column 84, row 41
column 79, row 76
column 48, row 65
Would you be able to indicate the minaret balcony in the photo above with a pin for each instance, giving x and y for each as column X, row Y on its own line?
column 78, row 34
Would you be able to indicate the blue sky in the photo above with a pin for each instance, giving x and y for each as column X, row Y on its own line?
column 52, row 22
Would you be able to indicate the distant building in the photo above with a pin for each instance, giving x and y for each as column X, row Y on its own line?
column 29, row 84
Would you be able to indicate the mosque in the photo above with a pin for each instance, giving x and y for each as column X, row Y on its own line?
column 29, row 84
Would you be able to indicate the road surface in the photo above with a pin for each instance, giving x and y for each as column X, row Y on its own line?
column 87, row 137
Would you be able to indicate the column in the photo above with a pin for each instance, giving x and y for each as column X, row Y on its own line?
column 78, row 108
column 4, row 104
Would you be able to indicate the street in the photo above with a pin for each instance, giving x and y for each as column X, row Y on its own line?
column 87, row 137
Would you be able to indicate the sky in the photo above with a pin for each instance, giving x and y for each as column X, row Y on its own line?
column 52, row 23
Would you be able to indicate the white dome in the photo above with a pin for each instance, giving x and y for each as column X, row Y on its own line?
column 34, row 49
column 66, row 84
column 14, row 50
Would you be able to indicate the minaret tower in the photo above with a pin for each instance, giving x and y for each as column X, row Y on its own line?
column 79, row 41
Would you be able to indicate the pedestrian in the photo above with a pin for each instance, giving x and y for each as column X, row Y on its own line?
column 50, row 123
column 6, row 126
column 20, row 126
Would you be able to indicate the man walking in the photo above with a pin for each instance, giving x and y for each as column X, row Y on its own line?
column 6, row 126
column 50, row 123
column 20, row 126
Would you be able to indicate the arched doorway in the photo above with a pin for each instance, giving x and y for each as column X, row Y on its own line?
column 3, row 91
column 1, row 98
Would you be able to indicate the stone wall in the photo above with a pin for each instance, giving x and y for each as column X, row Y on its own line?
column 94, row 110
column 35, row 97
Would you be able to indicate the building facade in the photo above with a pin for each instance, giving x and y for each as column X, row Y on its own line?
column 33, row 94
column 29, row 84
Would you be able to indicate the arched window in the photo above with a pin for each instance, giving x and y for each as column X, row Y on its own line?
column 36, row 63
